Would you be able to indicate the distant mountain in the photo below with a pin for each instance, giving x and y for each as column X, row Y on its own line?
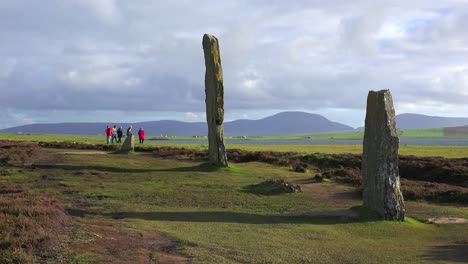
column 163, row 127
column 415, row 121
column 285, row 123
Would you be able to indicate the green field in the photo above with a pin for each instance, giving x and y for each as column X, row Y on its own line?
column 417, row 133
column 407, row 133
column 444, row 151
column 214, row 215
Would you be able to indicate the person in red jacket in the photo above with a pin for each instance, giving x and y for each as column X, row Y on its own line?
column 141, row 135
column 108, row 134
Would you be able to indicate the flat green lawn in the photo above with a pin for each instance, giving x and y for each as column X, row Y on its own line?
column 219, row 219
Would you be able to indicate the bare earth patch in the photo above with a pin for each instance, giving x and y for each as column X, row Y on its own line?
column 112, row 242
column 447, row 220
column 331, row 195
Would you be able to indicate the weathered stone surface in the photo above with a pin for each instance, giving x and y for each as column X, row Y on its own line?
column 129, row 143
column 214, row 91
column 381, row 180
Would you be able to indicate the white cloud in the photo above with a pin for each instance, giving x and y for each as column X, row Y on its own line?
column 7, row 66
column 191, row 116
column 96, row 78
column 106, row 10
column 317, row 56
column 453, row 83
column 11, row 118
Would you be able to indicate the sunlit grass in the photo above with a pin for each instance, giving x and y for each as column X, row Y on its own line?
column 216, row 219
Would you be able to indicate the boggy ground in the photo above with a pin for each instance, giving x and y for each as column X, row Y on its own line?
column 147, row 209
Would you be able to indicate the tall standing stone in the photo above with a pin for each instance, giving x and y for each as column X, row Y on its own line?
column 214, row 91
column 129, row 143
column 380, row 173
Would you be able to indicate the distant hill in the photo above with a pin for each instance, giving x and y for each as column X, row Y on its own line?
column 416, row 121
column 285, row 123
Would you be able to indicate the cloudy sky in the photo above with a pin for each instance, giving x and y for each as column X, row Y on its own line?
column 119, row 60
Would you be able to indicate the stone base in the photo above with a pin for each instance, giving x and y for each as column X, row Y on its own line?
column 129, row 144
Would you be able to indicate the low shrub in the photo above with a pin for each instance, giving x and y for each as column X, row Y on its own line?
column 298, row 166
column 434, row 192
column 31, row 226
column 19, row 154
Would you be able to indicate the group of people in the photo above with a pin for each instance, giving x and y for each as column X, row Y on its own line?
column 114, row 133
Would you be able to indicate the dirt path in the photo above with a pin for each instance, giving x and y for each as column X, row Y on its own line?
column 447, row 220
column 112, row 242
column 330, row 195
column 95, row 152
column 346, row 213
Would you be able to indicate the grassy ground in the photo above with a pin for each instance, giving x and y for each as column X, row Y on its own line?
column 54, row 137
column 444, row 151
column 217, row 218
column 407, row 133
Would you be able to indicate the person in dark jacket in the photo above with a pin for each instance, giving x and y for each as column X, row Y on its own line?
column 119, row 135
column 141, row 135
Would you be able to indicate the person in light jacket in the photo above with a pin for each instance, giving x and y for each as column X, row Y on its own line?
column 114, row 134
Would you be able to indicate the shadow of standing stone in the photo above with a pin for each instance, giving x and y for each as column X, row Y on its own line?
column 381, row 180
column 214, row 91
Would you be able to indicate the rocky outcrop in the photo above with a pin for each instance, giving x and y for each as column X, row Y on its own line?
column 214, row 91
column 381, row 180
